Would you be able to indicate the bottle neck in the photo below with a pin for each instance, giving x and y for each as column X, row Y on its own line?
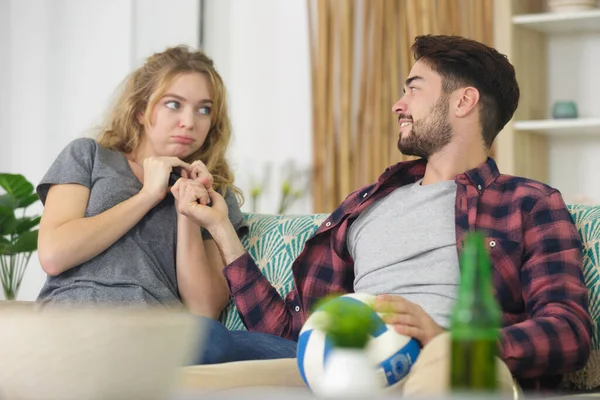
column 476, row 272
column 476, row 313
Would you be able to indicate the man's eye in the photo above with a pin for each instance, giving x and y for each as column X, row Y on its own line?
column 173, row 105
column 205, row 110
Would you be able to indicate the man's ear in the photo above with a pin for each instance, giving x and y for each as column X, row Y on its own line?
column 468, row 99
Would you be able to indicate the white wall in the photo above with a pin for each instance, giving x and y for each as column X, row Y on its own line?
column 261, row 49
column 4, row 82
column 61, row 62
column 25, row 116
column 159, row 24
column 573, row 74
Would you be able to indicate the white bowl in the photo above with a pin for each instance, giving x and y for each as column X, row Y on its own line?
column 93, row 354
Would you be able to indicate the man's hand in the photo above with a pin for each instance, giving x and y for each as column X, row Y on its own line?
column 408, row 318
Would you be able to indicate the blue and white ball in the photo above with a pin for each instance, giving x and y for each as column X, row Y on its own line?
column 393, row 353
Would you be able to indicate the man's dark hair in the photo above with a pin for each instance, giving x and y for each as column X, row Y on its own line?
column 464, row 62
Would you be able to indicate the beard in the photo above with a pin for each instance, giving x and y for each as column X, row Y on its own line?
column 429, row 134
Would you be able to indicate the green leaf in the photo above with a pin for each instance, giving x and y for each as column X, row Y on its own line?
column 347, row 324
column 26, row 243
column 8, row 200
column 4, row 245
column 8, row 223
column 26, row 223
column 27, row 201
column 5, row 212
column 16, row 185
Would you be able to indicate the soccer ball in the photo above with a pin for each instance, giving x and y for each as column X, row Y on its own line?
column 391, row 352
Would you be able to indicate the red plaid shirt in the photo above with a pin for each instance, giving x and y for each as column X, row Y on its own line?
column 537, row 259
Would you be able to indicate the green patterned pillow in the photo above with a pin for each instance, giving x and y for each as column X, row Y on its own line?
column 587, row 219
column 274, row 241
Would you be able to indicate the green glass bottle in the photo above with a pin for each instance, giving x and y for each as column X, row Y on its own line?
column 475, row 322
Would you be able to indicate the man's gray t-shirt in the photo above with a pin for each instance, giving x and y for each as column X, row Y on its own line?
column 140, row 267
column 405, row 244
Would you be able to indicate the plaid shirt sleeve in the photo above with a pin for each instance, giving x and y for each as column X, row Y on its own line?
column 557, row 337
column 259, row 305
column 323, row 268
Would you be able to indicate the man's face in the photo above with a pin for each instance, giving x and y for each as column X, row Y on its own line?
column 423, row 114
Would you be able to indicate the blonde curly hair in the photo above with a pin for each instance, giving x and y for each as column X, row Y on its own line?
column 142, row 90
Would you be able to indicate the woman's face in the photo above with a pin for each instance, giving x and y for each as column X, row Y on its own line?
column 181, row 118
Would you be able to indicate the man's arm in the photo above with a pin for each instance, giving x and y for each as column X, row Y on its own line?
column 320, row 270
column 557, row 337
column 260, row 306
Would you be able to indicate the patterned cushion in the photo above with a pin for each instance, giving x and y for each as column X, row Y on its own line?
column 274, row 241
column 587, row 219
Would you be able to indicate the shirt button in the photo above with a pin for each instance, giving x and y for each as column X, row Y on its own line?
column 328, row 224
column 492, row 243
column 297, row 308
column 479, row 187
column 365, row 194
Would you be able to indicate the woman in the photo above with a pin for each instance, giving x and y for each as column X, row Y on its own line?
column 110, row 233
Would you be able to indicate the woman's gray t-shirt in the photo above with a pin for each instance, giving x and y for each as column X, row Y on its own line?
column 139, row 268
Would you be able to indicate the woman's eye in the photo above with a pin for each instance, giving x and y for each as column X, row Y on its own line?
column 205, row 110
column 173, row 105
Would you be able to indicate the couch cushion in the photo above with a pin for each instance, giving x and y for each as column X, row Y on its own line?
column 242, row 374
column 274, row 242
column 587, row 219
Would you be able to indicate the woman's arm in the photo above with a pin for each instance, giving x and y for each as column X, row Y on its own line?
column 202, row 285
column 67, row 239
column 261, row 307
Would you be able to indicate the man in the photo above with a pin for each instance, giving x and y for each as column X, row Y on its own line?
column 400, row 237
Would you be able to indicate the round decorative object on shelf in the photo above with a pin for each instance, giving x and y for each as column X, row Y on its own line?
column 564, row 109
column 571, row 5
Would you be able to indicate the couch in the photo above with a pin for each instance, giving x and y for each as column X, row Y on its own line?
column 274, row 241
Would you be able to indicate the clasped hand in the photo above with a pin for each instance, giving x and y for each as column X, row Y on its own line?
column 193, row 193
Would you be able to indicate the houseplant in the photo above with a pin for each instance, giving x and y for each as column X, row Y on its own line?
column 18, row 238
column 348, row 370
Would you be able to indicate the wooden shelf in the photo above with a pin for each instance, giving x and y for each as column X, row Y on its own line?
column 563, row 22
column 561, row 127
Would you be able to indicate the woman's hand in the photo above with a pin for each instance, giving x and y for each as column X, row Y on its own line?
column 200, row 172
column 192, row 185
column 191, row 201
column 156, row 175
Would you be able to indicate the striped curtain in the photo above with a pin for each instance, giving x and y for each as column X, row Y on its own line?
column 360, row 56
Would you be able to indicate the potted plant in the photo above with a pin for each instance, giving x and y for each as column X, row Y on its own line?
column 348, row 370
column 18, row 238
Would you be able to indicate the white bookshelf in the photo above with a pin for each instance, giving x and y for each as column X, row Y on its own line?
column 564, row 22
column 561, row 127
column 556, row 57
